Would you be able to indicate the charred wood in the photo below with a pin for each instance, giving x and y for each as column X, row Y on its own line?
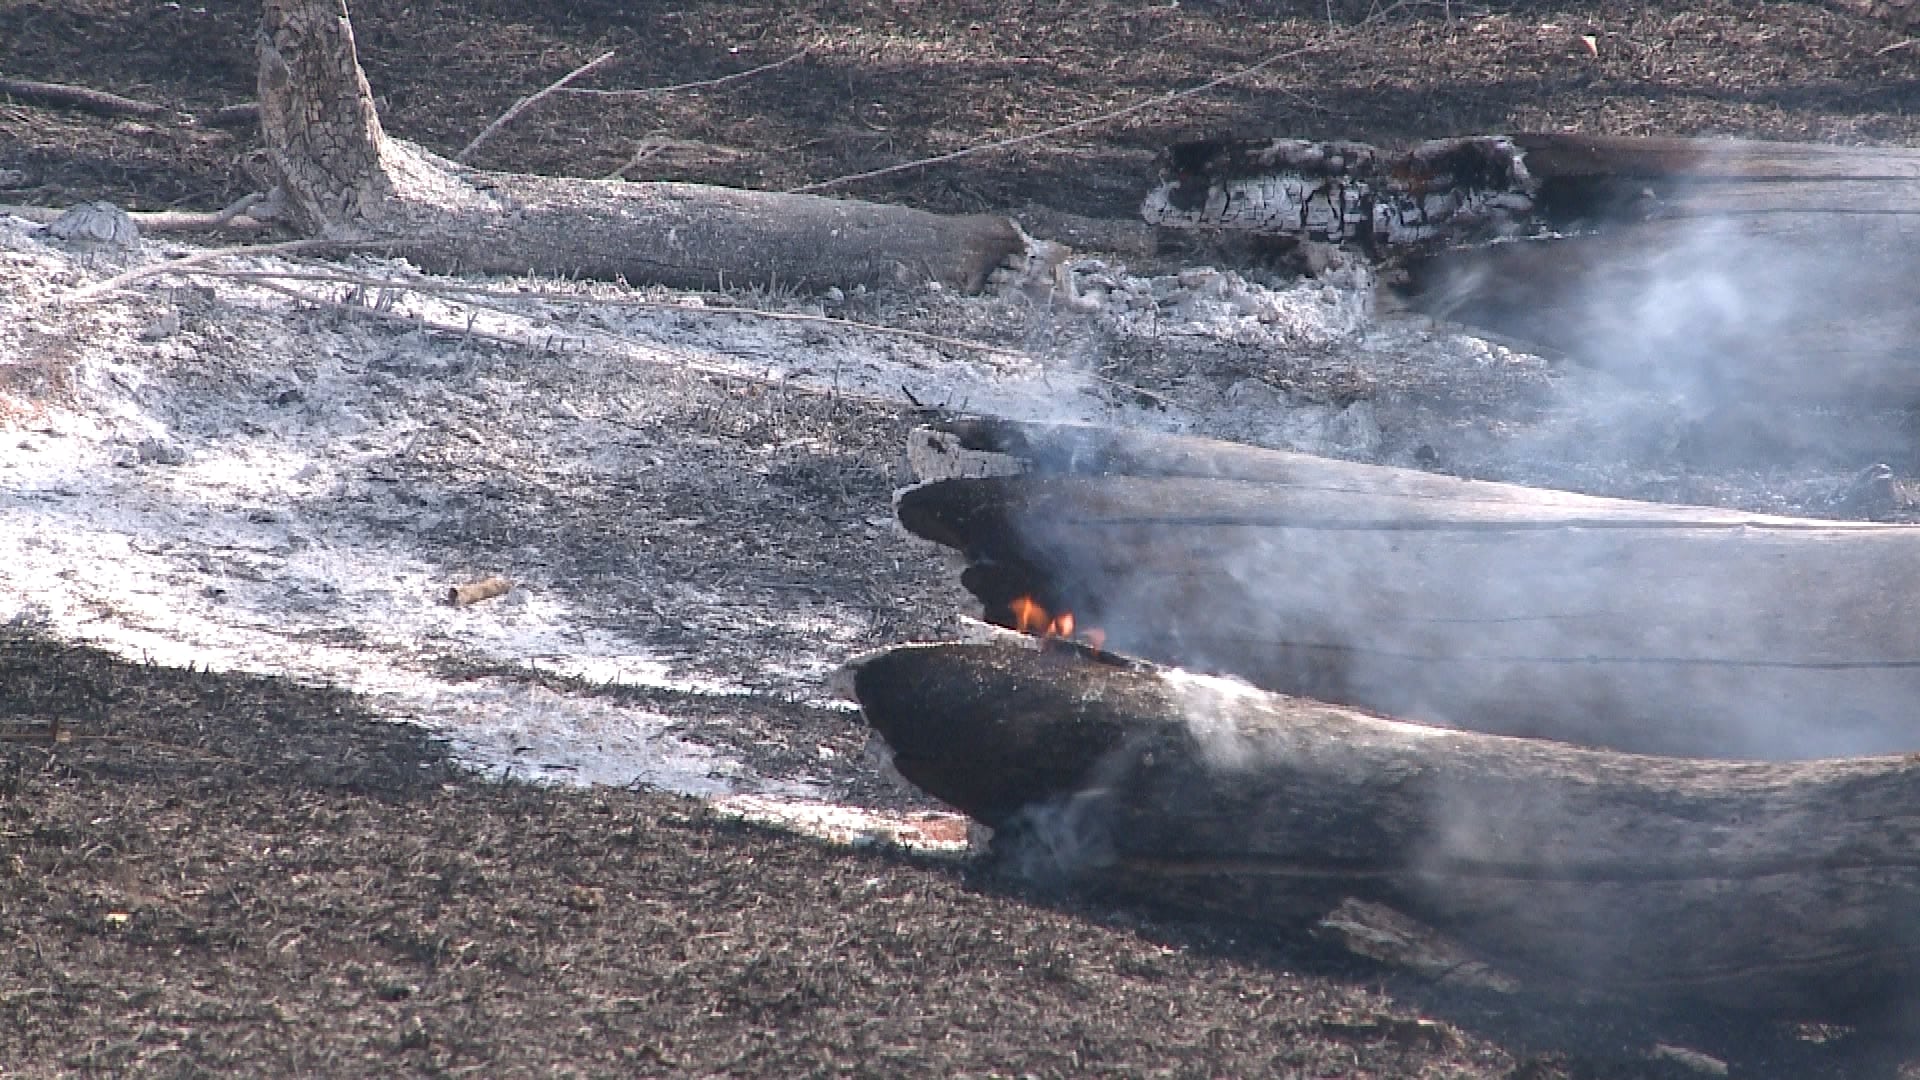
column 1635, row 626
column 1791, row 887
column 345, row 179
column 1710, row 268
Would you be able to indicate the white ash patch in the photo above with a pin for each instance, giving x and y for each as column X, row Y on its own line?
column 213, row 473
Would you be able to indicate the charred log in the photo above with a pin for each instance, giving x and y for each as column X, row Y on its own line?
column 1635, row 626
column 1776, row 272
column 1791, row 887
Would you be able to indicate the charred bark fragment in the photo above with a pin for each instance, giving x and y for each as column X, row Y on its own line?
column 347, row 180
column 1790, row 887
column 1344, row 192
column 1604, row 622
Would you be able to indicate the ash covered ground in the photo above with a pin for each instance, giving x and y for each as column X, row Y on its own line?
column 694, row 504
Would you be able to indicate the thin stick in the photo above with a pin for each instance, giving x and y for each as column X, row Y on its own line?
column 170, row 266
column 702, row 84
column 1017, row 140
column 240, row 215
column 97, row 102
column 528, row 102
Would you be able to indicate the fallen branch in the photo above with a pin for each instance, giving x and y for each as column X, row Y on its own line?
column 97, row 102
column 1789, row 887
column 698, row 85
column 529, row 102
column 254, row 211
column 474, row 592
column 344, row 178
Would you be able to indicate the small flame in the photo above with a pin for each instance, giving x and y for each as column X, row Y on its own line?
column 1030, row 618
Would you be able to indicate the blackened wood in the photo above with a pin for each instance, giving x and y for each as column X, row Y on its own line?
column 1345, row 192
column 1793, row 887
column 1642, row 627
column 1451, row 191
column 1716, row 269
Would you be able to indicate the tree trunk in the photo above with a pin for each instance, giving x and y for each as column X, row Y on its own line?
column 1792, row 887
column 345, row 179
column 1604, row 622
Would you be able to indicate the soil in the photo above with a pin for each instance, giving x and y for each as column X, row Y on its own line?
column 252, row 874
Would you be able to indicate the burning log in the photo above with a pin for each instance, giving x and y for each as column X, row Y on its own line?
column 1789, row 887
column 1695, row 263
column 1504, row 609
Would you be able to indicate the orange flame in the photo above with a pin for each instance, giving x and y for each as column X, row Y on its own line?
column 1030, row 618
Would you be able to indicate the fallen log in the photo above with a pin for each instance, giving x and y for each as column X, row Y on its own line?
column 1786, row 887
column 1771, row 271
column 345, row 179
column 1603, row 622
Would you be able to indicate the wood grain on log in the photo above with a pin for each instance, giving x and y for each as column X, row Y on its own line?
column 1637, row 626
column 1781, row 886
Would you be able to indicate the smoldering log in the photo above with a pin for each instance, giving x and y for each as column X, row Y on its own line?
column 1790, row 887
column 1448, row 192
column 1635, row 626
column 1710, row 267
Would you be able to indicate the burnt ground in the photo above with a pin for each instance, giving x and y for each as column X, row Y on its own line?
column 224, row 873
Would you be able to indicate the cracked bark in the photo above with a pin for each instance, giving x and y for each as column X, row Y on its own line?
column 345, row 179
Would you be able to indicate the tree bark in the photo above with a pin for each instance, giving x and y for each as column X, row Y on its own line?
column 1636, row 626
column 1791, row 887
column 346, row 180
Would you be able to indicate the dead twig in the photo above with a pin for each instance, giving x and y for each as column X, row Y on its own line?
column 255, row 211
column 1061, row 129
column 97, row 102
column 173, row 266
column 529, row 102
column 699, row 85
column 48, row 733
column 1907, row 44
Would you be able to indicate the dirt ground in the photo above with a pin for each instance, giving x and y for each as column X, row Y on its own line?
column 235, row 874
